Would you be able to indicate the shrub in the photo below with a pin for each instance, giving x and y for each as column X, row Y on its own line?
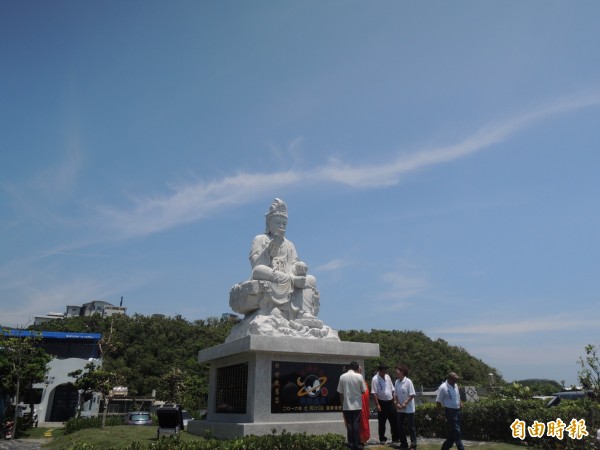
column 491, row 419
column 284, row 441
column 75, row 424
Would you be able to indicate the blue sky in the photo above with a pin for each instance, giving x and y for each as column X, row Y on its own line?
column 439, row 161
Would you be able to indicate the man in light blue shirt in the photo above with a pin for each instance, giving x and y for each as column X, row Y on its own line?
column 448, row 397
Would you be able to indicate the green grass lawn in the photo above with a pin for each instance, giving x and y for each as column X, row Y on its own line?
column 123, row 435
column 38, row 433
column 110, row 437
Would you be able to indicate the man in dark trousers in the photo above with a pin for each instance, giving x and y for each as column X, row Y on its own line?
column 448, row 397
column 351, row 388
column 383, row 393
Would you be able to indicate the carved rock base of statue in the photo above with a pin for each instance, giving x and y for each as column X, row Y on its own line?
column 258, row 384
column 268, row 315
column 274, row 325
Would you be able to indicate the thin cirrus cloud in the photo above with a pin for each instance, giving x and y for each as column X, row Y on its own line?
column 401, row 287
column 531, row 325
column 38, row 291
column 390, row 173
column 60, row 180
column 195, row 201
column 333, row 265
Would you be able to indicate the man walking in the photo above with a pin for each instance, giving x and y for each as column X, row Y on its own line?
column 383, row 393
column 448, row 397
column 351, row 387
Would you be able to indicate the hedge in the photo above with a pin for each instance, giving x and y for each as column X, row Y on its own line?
column 284, row 441
column 490, row 420
column 75, row 424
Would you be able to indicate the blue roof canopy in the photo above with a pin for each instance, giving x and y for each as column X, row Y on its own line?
column 55, row 335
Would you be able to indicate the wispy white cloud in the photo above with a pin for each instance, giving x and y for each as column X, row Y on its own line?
column 195, row 201
column 37, row 292
column 291, row 152
column 60, row 180
column 36, row 196
column 192, row 202
column 382, row 175
column 402, row 286
column 37, row 295
column 529, row 325
column 333, row 265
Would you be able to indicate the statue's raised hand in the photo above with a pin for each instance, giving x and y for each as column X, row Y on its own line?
column 276, row 242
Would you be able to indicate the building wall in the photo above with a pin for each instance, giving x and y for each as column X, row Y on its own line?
column 59, row 382
column 73, row 311
column 72, row 351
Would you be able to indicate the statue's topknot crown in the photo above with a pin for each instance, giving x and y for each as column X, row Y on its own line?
column 278, row 208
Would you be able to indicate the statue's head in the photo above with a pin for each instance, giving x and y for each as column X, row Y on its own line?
column 276, row 216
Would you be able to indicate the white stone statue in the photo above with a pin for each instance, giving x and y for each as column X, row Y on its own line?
column 280, row 299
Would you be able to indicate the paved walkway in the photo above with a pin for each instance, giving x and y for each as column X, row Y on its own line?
column 420, row 440
column 21, row 444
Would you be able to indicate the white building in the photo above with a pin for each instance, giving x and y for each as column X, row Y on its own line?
column 56, row 399
column 105, row 309
column 101, row 307
column 38, row 320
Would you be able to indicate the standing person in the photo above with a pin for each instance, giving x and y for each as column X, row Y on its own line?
column 404, row 400
column 448, row 397
column 351, row 388
column 383, row 393
column 365, row 414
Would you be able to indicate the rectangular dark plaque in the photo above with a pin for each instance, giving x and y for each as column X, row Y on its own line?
column 298, row 387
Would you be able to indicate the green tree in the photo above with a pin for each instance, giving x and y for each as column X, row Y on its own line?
column 589, row 375
column 161, row 353
column 541, row 386
column 429, row 360
column 95, row 379
column 172, row 385
column 515, row 391
column 143, row 349
column 23, row 362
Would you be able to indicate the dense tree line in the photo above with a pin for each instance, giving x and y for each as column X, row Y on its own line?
column 154, row 353
column 160, row 353
column 429, row 360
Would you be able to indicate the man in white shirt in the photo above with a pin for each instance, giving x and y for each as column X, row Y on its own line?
column 448, row 397
column 351, row 388
column 404, row 401
column 383, row 393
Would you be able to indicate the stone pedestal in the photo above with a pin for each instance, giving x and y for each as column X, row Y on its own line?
column 245, row 396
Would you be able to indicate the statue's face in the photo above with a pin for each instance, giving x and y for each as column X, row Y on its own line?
column 276, row 225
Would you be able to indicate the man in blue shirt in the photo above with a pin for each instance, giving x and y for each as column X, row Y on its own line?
column 448, row 397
